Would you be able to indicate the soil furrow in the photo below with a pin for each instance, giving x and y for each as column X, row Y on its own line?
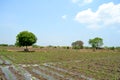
column 2, row 75
column 34, row 74
column 16, row 73
column 75, row 75
column 8, row 73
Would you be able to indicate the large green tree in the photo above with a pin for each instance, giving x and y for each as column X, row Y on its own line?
column 96, row 43
column 25, row 38
column 77, row 45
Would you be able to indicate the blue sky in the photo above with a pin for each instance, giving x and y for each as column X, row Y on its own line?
column 61, row 22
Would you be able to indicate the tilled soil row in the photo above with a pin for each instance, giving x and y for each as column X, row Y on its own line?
column 46, row 71
column 2, row 75
column 4, row 61
column 49, row 73
column 17, row 74
column 34, row 74
column 68, row 74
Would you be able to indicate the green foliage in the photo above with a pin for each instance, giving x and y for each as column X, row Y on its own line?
column 77, row 45
column 65, row 47
column 35, row 46
column 3, row 44
column 51, row 46
column 96, row 42
column 112, row 48
column 25, row 38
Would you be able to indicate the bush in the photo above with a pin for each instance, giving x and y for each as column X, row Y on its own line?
column 65, row 47
column 77, row 47
column 112, row 48
column 35, row 46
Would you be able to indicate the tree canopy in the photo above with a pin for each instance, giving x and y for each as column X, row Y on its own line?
column 96, row 42
column 77, row 45
column 25, row 38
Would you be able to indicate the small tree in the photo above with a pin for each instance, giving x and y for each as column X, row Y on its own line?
column 96, row 43
column 77, row 45
column 25, row 38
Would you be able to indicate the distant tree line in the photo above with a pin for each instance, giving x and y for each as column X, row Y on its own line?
column 95, row 43
column 6, row 45
column 26, row 38
column 3, row 44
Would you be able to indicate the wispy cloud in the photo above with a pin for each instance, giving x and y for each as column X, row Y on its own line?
column 75, row 1
column 82, row 2
column 64, row 17
column 87, row 1
column 107, row 14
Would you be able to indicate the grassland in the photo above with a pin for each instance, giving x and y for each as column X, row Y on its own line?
column 100, row 65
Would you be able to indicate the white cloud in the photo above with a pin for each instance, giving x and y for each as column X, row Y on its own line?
column 64, row 17
column 75, row 1
column 82, row 2
column 106, row 15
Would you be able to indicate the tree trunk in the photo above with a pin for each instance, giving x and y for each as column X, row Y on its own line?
column 26, row 49
column 94, row 49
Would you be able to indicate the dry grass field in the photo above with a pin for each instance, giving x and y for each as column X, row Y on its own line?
column 59, row 64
